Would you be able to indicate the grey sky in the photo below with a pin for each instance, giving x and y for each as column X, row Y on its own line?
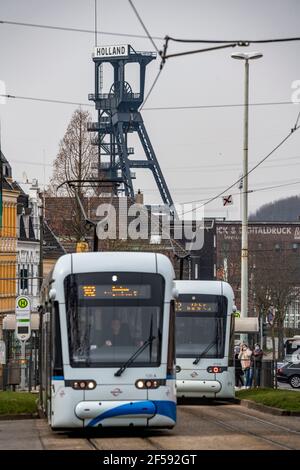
column 200, row 150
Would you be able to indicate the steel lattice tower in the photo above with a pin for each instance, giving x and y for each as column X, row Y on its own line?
column 118, row 115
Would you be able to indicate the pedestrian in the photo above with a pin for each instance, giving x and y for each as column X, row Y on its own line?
column 245, row 358
column 238, row 369
column 257, row 364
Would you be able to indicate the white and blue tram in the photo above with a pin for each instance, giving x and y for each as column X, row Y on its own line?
column 108, row 353
column 204, row 340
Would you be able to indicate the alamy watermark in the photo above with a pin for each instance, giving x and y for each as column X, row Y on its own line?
column 295, row 97
column 2, row 92
column 153, row 223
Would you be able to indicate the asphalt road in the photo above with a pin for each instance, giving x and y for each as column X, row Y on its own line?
column 207, row 427
column 284, row 386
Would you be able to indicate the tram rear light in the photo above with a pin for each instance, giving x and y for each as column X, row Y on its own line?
column 82, row 385
column 148, row 384
column 214, row 369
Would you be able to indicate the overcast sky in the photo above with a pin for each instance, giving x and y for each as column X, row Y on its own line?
column 199, row 150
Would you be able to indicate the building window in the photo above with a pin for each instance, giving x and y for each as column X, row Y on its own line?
column 295, row 246
column 24, row 279
column 277, row 247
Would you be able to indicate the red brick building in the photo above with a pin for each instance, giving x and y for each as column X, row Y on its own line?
column 274, row 249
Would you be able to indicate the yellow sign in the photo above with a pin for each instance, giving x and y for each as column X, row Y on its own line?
column 82, row 247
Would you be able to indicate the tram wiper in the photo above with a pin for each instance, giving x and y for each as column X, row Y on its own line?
column 134, row 356
column 204, row 352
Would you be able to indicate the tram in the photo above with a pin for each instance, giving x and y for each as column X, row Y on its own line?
column 107, row 326
column 204, row 340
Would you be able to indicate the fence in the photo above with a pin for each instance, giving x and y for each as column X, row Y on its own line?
column 17, row 365
column 263, row 375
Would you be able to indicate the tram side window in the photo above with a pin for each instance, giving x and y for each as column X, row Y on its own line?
column 56, row 341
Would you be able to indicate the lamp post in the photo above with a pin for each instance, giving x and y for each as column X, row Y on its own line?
column 246, row 56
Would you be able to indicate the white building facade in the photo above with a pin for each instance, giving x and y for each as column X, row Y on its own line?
column 28, row 244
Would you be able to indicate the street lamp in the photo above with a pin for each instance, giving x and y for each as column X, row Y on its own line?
column 246, row 56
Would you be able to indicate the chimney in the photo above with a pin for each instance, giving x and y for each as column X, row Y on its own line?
column 139, row 197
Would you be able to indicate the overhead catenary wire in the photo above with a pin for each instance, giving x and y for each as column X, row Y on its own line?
column 223, row 44
column 140, row 36
column 96, row 24
column 225, row 105
column 143, row 26
column 155, row 47
column 292, row 131
column 250, row 191
column 197, row 51
column 150, row 89
column 239, row 42
column 76, row 30
column 45, row 100
column 156, row 108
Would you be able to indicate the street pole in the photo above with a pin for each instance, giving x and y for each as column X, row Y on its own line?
column 41, row 260
column 23, row 366
column 244, row 252
column 246, row 56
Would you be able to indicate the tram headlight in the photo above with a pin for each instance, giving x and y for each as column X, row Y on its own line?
column 83, row 384
column 91, row 384
column 149, row 383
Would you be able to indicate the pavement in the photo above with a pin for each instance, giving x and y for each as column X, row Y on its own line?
column 210, row 427
column 20, row 435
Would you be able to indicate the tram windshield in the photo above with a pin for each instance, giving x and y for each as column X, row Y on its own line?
column 111, row 315
column 200, row 325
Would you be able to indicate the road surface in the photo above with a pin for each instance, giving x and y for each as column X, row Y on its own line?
column 209, row 427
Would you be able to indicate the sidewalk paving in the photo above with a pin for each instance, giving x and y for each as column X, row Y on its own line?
column 19, row 435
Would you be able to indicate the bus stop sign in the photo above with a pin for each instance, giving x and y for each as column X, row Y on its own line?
column 23, row 314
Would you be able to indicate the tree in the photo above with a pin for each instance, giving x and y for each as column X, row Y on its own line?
column 274, row 285
column 75, row 161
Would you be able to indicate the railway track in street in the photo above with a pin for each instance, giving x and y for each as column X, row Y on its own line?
column 199, row 427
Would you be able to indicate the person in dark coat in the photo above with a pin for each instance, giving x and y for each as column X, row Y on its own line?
column 238, row 369
column 119, row 334
column 257, row 357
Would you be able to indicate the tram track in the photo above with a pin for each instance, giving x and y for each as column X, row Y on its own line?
column 220, row 422
column 133, row 443
column 264, row 421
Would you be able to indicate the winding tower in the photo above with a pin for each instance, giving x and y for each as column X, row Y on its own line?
column 118, row 116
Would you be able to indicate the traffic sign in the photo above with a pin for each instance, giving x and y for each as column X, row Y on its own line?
column 227, row 200
column 23, row 305
column 23, row 314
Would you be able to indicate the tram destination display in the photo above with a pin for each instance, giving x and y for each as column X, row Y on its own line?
column 106, row 291
column 196, row 307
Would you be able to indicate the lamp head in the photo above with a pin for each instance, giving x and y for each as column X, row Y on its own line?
column 246, row 55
